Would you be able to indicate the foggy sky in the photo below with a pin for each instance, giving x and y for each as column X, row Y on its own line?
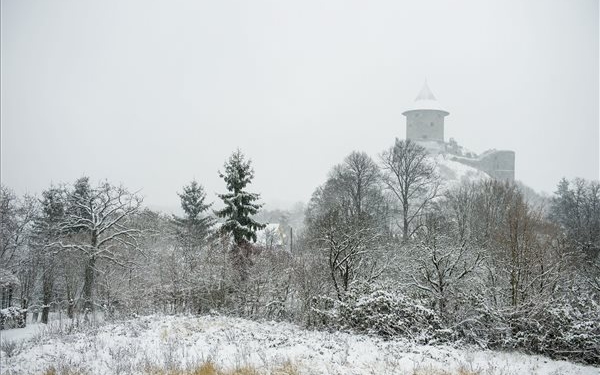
column 153, row 94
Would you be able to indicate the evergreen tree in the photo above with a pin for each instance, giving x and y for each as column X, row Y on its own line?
column 47, row 232
column 193, row 229
column 239, row 204
column 78, row 201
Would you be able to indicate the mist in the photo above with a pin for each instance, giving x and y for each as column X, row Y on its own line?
column 154, row 94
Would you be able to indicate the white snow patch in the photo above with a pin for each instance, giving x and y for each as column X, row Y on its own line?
column 165, row 341
column 454, row 173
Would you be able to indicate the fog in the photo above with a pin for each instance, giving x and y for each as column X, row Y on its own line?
column 153, row 94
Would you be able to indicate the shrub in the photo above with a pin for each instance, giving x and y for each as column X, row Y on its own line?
column 12, row 317
column 560, row 329
column 10, row 348
column 387, row 314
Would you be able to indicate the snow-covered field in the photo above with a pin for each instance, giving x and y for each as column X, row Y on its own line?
column 174, row 342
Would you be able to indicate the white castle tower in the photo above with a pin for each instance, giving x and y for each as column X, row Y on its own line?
column 425, row 118
column 425, row 125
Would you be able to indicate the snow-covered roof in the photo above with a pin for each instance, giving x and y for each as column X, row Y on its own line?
column 426, row 101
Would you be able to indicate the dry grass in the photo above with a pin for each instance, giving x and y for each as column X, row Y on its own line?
column 62, row 371
column 287, row 368
column 433, row 371
column 210, row 368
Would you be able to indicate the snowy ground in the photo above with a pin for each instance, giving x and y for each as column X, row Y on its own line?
column 170, row 342
column 58, row 323
column 454, row 173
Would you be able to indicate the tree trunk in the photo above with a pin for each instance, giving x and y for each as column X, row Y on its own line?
column 405, row 219
column 24, row 305
column 71, row 308
column 47, row 294
column 70, row 302
column 88, row 285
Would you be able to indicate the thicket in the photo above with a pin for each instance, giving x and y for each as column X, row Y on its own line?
column 386, row 249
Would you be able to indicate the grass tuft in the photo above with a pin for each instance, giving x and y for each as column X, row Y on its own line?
column 434, row 371
column 288, row 368
column 10, row 348
column 62, row 371
column 209, row 368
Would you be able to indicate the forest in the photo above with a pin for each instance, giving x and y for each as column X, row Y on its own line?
column 384, row 247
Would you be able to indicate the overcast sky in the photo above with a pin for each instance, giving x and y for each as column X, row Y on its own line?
column 153, row 94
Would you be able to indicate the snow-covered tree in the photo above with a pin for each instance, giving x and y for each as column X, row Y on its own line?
column 359, row 180
column 345, row 221
column 15, row 220
column 444, row 260
column 576, row 208
column 100, row 219
column 193, row 229
column 18, row 265
column 240, row 205
column 410, row 176
column 47, row 233
column 81, row 192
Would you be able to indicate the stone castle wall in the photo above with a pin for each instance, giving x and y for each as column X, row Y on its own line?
column 425, row 125
column 499, row 164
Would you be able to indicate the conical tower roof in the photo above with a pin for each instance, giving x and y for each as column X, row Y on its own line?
column 426, row 101
column 425, row 93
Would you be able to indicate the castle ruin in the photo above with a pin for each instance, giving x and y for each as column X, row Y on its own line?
column 425, row 125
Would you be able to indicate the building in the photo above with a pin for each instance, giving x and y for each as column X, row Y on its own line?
column 272, row 237
column 425, row 125
column 425, row 119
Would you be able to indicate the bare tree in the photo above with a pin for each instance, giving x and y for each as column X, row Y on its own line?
column 17, row 261
column 576, row 208
column 358, row 178
column 444, row 259
column 524, row 256
column 411, row 178
column 16, row 216
column 348, row 247
column 345, row 221
column 98, row 223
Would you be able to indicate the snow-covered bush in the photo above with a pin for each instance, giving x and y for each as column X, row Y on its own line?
column 268, row 293
column 387, row 314
column 560, row 330
column 10, row 348
column 557, row 328
column 12, row 317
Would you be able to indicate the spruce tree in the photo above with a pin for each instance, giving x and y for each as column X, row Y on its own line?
column 47, row 232
column 239, row 204
column 194, row 228
column 77, row 200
